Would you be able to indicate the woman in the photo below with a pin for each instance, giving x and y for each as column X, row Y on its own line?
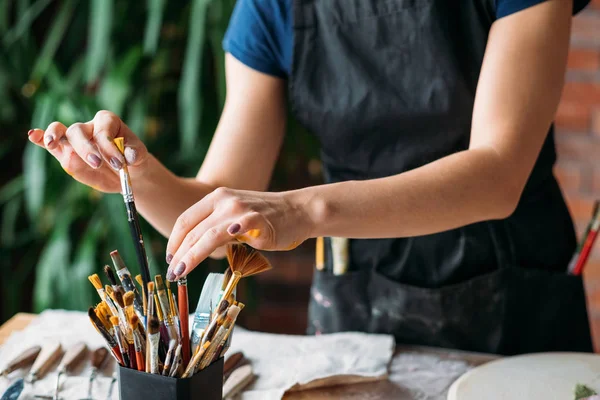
column 435, row 120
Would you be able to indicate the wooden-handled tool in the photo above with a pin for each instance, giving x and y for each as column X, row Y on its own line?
column 50, row 353
column 98, row 357
column 72, row 358
column 23, row 360
column 237, row 381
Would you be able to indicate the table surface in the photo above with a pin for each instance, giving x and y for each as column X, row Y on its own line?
column 386, row 389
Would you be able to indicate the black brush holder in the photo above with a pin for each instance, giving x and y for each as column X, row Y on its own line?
column 204, row 385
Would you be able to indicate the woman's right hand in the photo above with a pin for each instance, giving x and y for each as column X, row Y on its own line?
column 86, row 151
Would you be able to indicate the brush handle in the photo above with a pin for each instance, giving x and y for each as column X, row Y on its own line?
column 184, row 319
column 98, row 357
column 235, row 279
column 50, row 353
column 73, row 356
column 138, row 240
column 237, row 381
column 232, row 363
column 125, row 278
column 22, row 360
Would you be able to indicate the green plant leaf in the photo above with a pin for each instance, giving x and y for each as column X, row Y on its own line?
column 116, row 87
column 9, row 219
column 27, row 17
column 34, row 171
column 136, row 115
column 55, row 35
column 190, row 94
column 77, row 293
column 11, row 189
column 156, row 10
column 4, row 15
column 51, row 267
column 101, row 17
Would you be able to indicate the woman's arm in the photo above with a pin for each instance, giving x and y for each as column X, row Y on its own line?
column 518, row 92
column 242, row 154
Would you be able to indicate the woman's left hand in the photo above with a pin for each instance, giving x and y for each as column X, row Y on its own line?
column 265, row 221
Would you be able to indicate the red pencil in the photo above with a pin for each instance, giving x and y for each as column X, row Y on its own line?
column 587, row 247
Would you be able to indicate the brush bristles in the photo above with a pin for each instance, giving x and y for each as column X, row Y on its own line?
column 110, row 275
column 139, row 280
column 153, row 325
column 222, row 306
column 246, row 260
column 120, row 143
column 134, row 321
column 168, row 283
column 95, row 280
column 159, row 282
column 240, row 305
column 109, row 291
column 128, row 299
column 151, row 286
column 114, row 320
column 119, row 299
column 226, row 278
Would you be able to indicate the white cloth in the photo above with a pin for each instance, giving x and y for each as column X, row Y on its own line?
column 279, row 361
column 283, row 361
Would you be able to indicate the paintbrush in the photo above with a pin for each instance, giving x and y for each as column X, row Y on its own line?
column 97, row 359
column 176, row 316
column 149, row 314
column 110, row 340
column 176, row 363
column 167, row 366
column 50, row 353
column 211, row 294
column 233, row 362
column 166, row 308
column 320, row 254
column 153, row 339
column 226, row 343
column 244, row 261
column 174, row 313
column 132, row 216
column 121, row 341
column 23, row 360
column 191, row 367
column 140, row 282
column 184, row 319
column 227, row 325
column 214, row 323
column 113, row 279
column 95, row 280
column 125, row 278
column 164, row 333
column 138, row 342
column 73, row 356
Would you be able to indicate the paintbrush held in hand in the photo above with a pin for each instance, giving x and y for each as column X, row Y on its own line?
column 163, row 346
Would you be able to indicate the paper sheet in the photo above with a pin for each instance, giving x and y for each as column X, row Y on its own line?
column 279, row 361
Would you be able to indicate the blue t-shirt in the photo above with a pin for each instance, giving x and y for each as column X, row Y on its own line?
column 260, row 32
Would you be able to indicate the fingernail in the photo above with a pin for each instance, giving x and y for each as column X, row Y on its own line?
column 170, row 275
column 180, row 268
column 94, row 160
column 233, row 229
column 169, row 258
column 48, row 140
column 130, row 155
column 30, row 132
column 116, row 163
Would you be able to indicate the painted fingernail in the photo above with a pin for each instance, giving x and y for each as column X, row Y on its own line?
column 233, row 229
column 170, row 275
column 169, row 258
column 94, row 160
column 30, row 132
column 130, row 155
column 180, row 268
column 116, row 163
column 48, row 140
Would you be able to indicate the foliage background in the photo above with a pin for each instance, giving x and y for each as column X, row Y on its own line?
column 159, row 65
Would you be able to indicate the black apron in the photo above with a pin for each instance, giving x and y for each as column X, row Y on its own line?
column 388, row 86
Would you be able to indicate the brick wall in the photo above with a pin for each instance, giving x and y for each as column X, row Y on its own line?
column 578, row 140
column 283, row 292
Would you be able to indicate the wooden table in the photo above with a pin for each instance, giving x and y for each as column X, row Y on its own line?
column 388, row 389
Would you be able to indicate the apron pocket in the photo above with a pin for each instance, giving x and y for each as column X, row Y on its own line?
column 465, row 316
column 547, row 313
column 338, row 303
